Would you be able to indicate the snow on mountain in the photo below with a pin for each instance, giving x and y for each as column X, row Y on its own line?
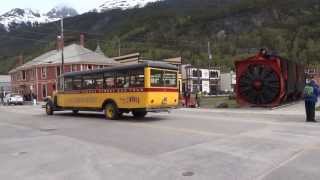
column 123, row 4
column 29, row 16
column 62, row 11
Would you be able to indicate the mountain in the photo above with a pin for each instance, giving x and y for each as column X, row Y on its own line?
column 17, row 16
column 123, row 4
column 235, row 28
column 62, row 11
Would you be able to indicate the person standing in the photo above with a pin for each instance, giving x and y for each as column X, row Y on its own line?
column 311, row 98
column 198, row 98
column 1, row 97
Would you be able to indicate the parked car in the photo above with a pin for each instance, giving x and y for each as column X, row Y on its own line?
column 15, row 99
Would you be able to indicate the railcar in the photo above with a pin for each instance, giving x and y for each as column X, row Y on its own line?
column 268, row 81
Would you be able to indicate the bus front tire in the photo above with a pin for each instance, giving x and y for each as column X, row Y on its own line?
column 49, row 109
column 139, row 113
column 111, row 111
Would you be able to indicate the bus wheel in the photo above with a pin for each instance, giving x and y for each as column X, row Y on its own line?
column 111, row 111
column 75, row 111
column 139, row 113
column 49, row 109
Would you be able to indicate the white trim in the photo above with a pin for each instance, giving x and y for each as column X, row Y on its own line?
column 37, row 85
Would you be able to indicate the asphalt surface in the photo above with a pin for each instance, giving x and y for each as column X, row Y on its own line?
column 191, row 144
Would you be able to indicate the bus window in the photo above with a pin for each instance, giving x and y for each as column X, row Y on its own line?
column 170, row 79
column 88, row 82
column 109, row 80
column 122, row 80
column 137, row 79
column 77, row 83
column 156, row 78
column 99, row 82
column 67, row 84
column 161, row 78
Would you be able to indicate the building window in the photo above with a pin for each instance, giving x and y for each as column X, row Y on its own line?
column 24, row 75
column 73, row 67
column 44, row 90
column 214, row 74
column 196, row 73
column 58, row 71
column 44, row 72
column 31, row 74
column 89, row 67
column 101, row 67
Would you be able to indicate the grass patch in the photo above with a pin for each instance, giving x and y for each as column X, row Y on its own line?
column 214, row 102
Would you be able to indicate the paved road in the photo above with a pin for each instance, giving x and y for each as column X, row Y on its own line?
column 186, row 144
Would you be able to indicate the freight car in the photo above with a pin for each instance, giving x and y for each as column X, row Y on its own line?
column 268, row 81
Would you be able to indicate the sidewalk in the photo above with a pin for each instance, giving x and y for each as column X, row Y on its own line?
column 291, row 109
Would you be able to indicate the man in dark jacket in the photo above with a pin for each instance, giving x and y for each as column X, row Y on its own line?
column 311, row 98
column 1, row 97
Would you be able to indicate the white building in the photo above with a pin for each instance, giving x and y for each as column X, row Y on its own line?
column 5, row 83
column 228, row 82
column 205, row 80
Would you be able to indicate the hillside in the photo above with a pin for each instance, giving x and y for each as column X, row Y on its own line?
column 235, row 28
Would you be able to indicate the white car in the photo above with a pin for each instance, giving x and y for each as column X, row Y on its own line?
column 13, row 99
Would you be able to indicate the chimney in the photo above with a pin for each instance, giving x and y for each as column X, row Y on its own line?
column 59, row 43
column 82, row 39
column 20, row 60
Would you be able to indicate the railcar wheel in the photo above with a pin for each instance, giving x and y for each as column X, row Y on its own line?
column 49, row 109
column 259, row 85
column 111, row 111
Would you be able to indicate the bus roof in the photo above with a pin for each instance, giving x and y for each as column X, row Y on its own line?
column 152, row 64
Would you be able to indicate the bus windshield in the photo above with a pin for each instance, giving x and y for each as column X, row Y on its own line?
column 163, row 78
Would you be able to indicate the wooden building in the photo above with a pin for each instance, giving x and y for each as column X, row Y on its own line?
column 39, row 76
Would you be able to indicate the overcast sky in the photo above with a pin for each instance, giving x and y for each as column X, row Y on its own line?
column 46, row 5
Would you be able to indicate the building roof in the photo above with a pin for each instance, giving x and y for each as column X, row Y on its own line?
column 5, row 79
column 124, row 68
column 73, row 54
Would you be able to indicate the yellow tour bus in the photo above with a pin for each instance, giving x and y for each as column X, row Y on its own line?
column 138, row 88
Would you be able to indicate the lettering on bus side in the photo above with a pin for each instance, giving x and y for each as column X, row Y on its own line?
column 130, row 100
column 81, row 100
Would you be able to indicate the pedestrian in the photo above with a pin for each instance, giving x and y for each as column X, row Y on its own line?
column 198, row 98
column 34, row 98
column 311, row 98
column 188, row 96
column 185, row 98
column 1, row 97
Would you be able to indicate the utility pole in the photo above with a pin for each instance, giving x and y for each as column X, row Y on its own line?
column 119, row 46
column 62, row 52
column 209, row 54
